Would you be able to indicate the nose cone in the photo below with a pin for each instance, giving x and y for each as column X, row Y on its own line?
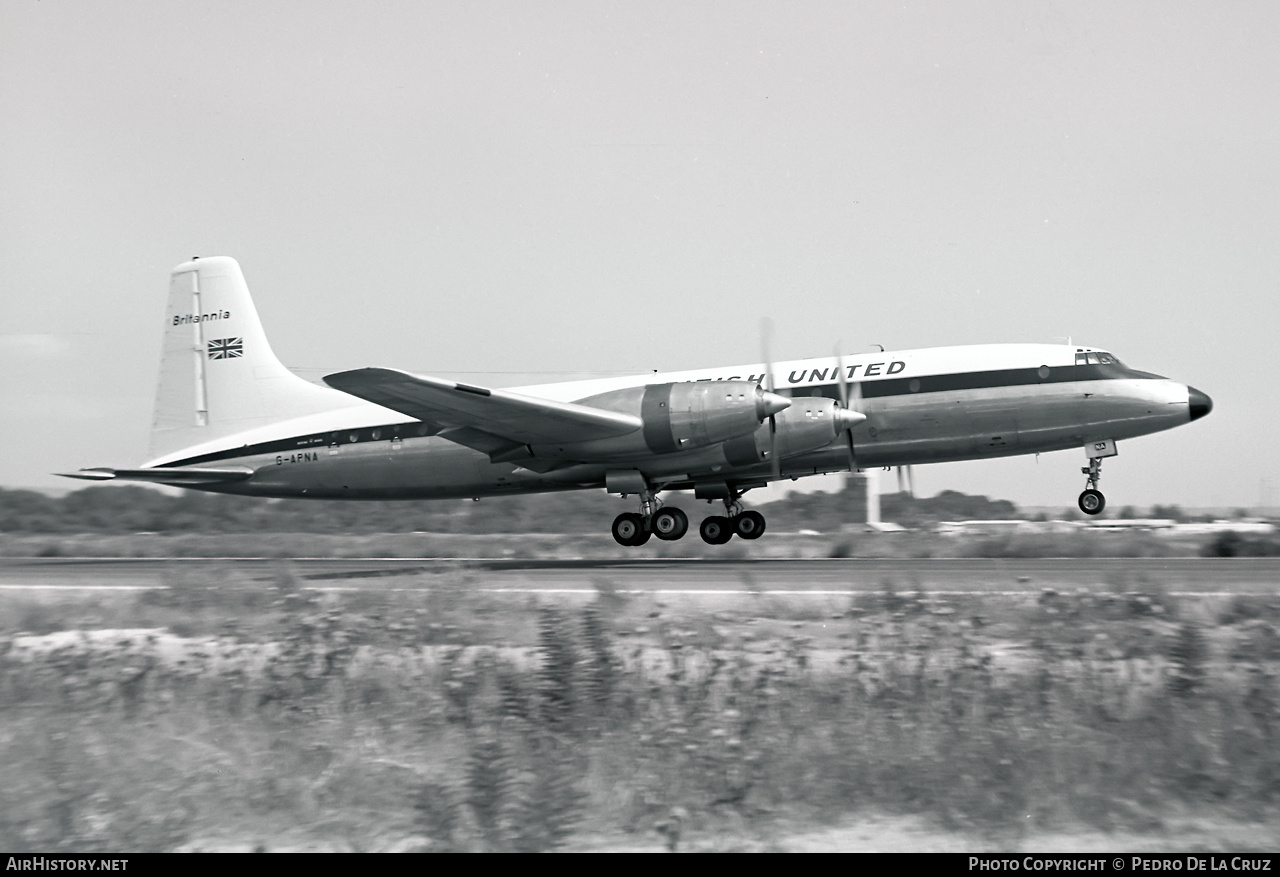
column 846, row 419
column 769, row 404
column 1199, row 403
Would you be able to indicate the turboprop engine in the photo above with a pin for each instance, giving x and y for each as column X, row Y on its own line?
column 808, row 424
column 676, row 417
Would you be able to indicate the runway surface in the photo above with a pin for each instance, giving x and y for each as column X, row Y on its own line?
column 834, row 576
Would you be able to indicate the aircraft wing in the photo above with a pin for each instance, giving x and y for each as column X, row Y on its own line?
column 161, row 475
column 496, row 422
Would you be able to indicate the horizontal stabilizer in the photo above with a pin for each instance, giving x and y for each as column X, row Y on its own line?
column 522, row 420
column 160, row 475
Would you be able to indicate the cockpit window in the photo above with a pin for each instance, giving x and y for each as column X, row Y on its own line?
column 1099, row 358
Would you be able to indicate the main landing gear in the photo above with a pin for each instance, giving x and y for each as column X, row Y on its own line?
column 1092, row 502
column 670, row 523
column 719, row 529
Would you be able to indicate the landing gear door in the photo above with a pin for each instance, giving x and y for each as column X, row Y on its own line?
column 1099, row 449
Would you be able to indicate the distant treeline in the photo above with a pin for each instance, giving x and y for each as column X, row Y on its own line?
column 134, row 509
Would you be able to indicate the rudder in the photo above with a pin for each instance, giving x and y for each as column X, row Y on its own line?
column 218, row 375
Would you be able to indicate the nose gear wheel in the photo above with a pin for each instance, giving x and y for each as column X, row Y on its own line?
column 1092, row 502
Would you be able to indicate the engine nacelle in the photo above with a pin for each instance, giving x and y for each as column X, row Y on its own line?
column 810, row 423
column 676, row 417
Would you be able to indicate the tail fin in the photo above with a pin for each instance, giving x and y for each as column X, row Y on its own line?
column 218, row 376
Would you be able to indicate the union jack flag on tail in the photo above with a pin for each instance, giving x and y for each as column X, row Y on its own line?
column 226, row 348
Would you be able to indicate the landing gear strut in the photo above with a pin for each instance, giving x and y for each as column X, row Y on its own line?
column 1092, row 502
column 633, row 529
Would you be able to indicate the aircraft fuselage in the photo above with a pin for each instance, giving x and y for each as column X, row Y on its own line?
column 916, row 412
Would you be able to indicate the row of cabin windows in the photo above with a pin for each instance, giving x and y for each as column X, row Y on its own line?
column 380, row 433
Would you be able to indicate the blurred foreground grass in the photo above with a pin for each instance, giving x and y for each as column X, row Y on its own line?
column 445, row 719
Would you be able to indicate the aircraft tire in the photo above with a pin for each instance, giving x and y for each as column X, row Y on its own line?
column 628, row 529
column 670, row 524
column 1092, row 502
column 716, row 530
column 749, row 525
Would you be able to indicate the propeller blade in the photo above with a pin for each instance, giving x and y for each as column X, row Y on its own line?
column 841, row 381
column 766, row 339
column 848, row 420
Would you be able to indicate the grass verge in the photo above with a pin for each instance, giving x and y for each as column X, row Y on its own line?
column 446, row 719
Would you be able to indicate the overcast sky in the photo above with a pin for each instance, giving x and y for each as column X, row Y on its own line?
column 515, row 191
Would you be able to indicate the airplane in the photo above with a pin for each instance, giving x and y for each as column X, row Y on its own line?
column 230, row 418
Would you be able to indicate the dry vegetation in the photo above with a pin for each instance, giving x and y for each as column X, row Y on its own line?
column 448, row 719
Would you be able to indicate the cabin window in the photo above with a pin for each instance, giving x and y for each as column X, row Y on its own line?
column 1043, row 372
column 914, row 385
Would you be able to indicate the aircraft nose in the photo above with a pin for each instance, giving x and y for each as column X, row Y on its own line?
column 1199, row 403
column 769, row 404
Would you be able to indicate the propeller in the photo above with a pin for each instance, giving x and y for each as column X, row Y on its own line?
column 909, row 488
column 766, row 339
column 850, row 414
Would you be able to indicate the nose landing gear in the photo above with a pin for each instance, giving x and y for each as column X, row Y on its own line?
column 1092, row 502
